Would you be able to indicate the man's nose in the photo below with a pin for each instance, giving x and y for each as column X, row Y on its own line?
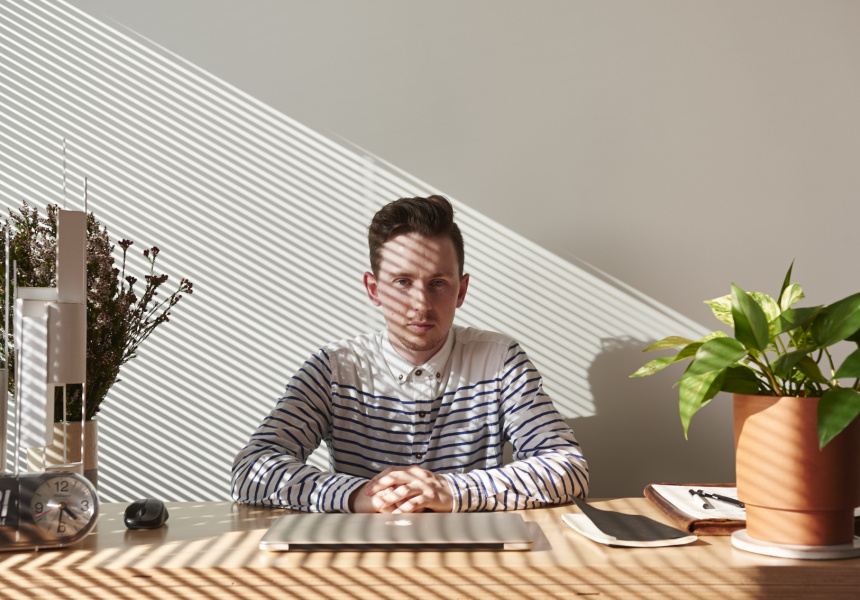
column 420, row 299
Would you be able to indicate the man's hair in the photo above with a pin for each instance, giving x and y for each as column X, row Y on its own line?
column 429, row 217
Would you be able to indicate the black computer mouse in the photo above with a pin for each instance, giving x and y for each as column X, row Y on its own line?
column 146, row 513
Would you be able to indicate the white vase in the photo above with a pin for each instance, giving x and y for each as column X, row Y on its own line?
column 54, row 457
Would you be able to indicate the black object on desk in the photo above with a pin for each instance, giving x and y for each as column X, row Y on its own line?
column 719, row 497
column 146, row 513
column 629, row 527
column 705, row 504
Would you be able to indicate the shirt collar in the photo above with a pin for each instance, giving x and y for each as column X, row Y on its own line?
column 401, row 368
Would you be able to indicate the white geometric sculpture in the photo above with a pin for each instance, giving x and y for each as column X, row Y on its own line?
column 51, row 335
column 4, row 372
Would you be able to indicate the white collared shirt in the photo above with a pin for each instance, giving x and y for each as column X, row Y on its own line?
column 451, row 415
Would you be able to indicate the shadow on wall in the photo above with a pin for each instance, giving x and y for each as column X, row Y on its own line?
column 268, row 219
column 635, row 437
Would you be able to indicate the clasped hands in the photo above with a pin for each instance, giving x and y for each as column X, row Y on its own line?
column 403, row 490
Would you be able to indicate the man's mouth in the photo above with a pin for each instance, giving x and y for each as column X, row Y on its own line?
column 420, row 327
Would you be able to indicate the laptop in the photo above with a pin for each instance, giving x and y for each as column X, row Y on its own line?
column 413, row 531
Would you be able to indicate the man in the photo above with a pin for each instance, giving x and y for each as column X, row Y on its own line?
column 415, row 417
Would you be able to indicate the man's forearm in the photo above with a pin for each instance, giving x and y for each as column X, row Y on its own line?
column 550, row 478
column 276, row 479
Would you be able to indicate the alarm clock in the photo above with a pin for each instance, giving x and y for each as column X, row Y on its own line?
column 48, row 509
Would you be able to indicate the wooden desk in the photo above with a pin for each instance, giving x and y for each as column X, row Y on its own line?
column 209, row 551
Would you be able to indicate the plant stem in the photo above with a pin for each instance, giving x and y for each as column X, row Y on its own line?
column 782, row 347
column 122, row 277
column 768, row 371
column 832, row 366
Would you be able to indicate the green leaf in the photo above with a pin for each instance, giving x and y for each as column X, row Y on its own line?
column 838, row 321
column 785, row 284
column 672, row 341
column 850, row 367
column 751, row 324
column 810, row 368
column 716, row 355
column 690, row 350
column 793, row 318
column 722, row 309
column 713, row 335
column 802, row 338
column 740, row 380
column 837, row 408
column 768, row 305
column 783, row 365
column 695, row 392
column 653, row 366
column 791, row 296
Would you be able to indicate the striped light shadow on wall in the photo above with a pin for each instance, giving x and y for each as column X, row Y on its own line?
column 268, row 219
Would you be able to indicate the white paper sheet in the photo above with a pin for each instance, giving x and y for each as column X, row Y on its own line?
column 680, row 496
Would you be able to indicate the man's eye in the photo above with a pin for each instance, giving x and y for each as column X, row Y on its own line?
column 401, row 282
column 438, row 283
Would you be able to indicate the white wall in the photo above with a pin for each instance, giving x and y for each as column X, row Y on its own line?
column 632, row 158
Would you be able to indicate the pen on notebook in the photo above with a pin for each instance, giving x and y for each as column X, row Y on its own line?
column 705, row 494
column 705, row 500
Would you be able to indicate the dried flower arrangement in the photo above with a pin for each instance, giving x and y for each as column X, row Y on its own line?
column 118, row 319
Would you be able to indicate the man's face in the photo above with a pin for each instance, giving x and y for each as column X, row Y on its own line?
column 418, row 288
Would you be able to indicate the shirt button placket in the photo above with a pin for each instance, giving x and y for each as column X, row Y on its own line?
column 423, row 390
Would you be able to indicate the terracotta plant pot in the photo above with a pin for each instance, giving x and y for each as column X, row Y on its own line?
column 794, row 492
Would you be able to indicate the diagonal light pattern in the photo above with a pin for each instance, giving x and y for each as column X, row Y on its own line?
column 268, row 219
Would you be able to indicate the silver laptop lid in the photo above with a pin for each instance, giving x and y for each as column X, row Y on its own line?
column 414, row 531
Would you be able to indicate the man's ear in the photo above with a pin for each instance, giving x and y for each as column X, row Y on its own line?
column 371, row 288
column 461, row 294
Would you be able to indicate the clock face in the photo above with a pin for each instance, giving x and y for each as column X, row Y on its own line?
column 64, row 506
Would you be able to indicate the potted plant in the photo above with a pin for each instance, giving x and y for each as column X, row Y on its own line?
column 797, row 435
column 121, row 313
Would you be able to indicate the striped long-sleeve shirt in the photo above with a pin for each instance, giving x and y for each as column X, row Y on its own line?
column 451, row 415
